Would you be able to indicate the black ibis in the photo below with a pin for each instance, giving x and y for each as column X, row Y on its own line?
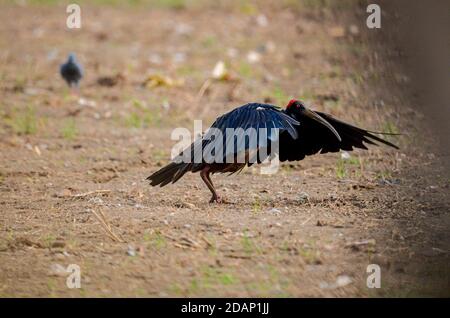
column 300, row 132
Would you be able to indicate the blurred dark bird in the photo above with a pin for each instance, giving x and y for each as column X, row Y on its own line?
column 301, row 132
column 71, row 71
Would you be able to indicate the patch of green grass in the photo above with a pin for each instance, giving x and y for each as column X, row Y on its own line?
column 353, row 161
column 357, row 78
column 342, row 166
column 211, row 277
column 186, row 70
column 248, row 8
column 341, row 171
column 10, row 236
column 83, row 159
column 281, row 97
column 256, row 205
column 160, row 154
column 24, row 122
column 390, row 127
column 20, row 82
column 309, row 255
column 212, row 246
column 165, row 4
column 273, row 285
column 384, row 175
column 248, row 244
column 51, row 285
column 69, row 130
column 48, row 240
column 285, row 246
column 319, row 5
column 156, row 239
column 169, row 4
column 216, row 276
column 278, row 95
column 3, row 245
column 245, row 70
column 176, row 289
column 134, row 120
column 209, row 41
column 142, row 116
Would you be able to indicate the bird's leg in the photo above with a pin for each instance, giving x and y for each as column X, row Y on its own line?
column 207, row 180
column 75, row 90
column 215, row 198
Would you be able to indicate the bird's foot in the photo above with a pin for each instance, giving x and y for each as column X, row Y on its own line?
column 217, row 199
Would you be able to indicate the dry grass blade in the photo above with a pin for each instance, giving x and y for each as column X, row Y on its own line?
column 203, row 89
column 81, row 195
column 189, row 242
column 307, row 220
column 106, row 226
column 208, row 243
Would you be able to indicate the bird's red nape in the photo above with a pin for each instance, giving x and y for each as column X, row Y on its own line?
column 291, row 102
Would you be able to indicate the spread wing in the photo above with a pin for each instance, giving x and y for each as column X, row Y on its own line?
column 243, row 131
column 314, row 137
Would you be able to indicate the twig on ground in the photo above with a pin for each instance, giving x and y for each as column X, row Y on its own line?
column 106, row 226
column 307, row 220
column 81, row 195
column 203, row 89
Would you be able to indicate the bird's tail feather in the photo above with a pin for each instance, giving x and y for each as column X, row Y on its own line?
column 170, row 173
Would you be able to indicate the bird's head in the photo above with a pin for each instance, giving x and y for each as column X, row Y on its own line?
column 295, row 105
column 297, row 109
column 72, row 57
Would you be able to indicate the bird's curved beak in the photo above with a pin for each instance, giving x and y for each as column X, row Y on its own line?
column 314, row 116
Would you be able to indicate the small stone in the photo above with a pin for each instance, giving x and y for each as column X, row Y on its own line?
column 95, row 200
column 131, row 251
column 343, row 280
column 155, row 58
column 183, row 29
column 232, row 52
column 220, row 71
column 179, row 57
column 88, row 103
column 303, row 197
column 253, row 57
column 345, row 155
column 166, row 105
column 262, row 21
column 274, row 211
column 354, row 29
column 57, row 270
column 52, row 55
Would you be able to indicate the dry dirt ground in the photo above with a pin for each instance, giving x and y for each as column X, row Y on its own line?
column 312, row 229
